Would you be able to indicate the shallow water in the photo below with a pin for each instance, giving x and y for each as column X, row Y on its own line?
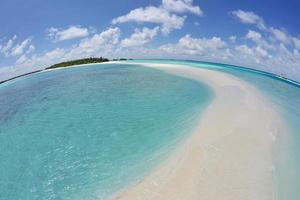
column 86, row 132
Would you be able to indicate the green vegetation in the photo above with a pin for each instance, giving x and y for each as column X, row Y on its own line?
column 70, row 63
column 79, row 62
column 121, row 59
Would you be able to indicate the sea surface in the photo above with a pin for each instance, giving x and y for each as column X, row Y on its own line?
column 85, row 133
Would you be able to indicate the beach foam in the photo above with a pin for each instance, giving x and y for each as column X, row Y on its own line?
column 230, row 153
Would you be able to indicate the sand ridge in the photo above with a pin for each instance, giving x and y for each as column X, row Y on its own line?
column 228, row 156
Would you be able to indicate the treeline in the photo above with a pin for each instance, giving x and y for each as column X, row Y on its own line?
column 121, row 59
column 78, row 62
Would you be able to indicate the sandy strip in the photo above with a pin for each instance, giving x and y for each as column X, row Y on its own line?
column 82, row 65
column 229, row 156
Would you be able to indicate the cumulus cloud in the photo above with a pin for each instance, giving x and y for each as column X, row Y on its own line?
column 181, row 6
column 232, row 38
column 5, row 49
column 258, row 39
column 275, row 35
column 30, row 49
column 254, row 55
column 19, row 48
column 11, row 48
column 249, row 17
column 140, row 37
column 7, row 72
column 164, row 15
column 195, row 46
column 154, row 15
column 296, row 42
column 253, row 35
column 72, row 32
column 280, row 35
column 103, row 41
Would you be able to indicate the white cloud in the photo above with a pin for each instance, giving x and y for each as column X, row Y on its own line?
column 253, row 35
column 202, row 43
column 162, row 15
column 22, row 59
column 259, row 40
column 7, row 72
column 155, row 15
column 181, row 6
column 275, row 35
column 99, row 42
column 251, row 54
column 19, row 48
column 6, row 48
column 232, row 38
column 10, row 48
column 30, row 49
column 111, row 35
column 262, row 52
column 249, row 17
column 57, row 53
column 296, row 42
column 280, row 35
column 67, row 34
column 140, row 37
column 195, row 46
column 279, row 60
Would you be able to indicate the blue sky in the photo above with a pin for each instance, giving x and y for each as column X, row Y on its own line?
column 260, row 34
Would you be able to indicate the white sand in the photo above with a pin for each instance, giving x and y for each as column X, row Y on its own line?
column 82, row 65
column 229, row 156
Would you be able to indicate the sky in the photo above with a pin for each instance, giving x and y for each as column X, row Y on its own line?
column 260, row 34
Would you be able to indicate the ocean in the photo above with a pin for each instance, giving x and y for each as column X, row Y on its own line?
column 88, row 132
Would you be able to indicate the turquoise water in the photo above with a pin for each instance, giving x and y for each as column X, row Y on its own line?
column 86, row 132
column 285, row 96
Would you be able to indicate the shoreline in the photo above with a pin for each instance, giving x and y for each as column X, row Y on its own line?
column 82, row 65
column 225, row 157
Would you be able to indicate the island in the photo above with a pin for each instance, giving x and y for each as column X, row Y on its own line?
column 70, row 63
column 78, row 62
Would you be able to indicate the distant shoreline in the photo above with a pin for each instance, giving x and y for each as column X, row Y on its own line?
column 78, row 62
column 65, row 66
column 265, row 73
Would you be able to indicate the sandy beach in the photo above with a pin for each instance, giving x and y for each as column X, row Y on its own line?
column 228, row 156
